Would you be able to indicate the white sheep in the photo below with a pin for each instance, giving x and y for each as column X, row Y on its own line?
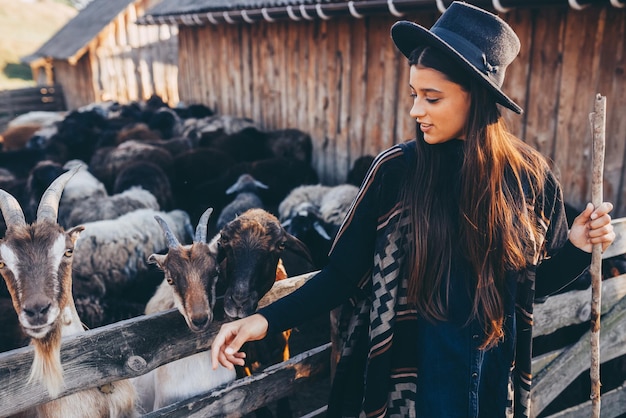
column 112, row 253
column 111, row 207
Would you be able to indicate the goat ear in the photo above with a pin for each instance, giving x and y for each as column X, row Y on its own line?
column 75, row 232
column 157, row 259
column 298, row 247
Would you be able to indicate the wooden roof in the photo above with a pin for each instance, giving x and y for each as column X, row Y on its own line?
column 72, row 39
column 200, row 12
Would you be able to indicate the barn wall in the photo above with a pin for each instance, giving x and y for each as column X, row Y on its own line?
column 343, row 81
column 76, row 80
column 125, row 62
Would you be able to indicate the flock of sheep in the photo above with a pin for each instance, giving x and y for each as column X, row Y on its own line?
column 134, row 179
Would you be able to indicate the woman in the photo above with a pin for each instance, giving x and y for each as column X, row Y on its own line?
column 449, row 240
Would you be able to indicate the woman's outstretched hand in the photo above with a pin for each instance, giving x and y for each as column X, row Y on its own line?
column 232, row 335
column 592, row 227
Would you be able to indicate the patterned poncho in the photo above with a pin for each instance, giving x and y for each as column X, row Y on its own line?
column 376, row 375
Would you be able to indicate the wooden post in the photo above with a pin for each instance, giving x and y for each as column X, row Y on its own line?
column 598, row 121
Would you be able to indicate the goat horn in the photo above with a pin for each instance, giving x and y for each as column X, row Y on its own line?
column 49, row 204
column 11, row 210
column 201, row 229
column 172, row 241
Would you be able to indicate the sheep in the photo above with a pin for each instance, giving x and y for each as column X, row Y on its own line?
column 150, row 177
column 359, row 169
column 36, row 264
column 106, row 163
column 111, row 207
column 245, row 198
column 110, row 256
column 37, row 117
column 314, row 213
column 136, row 131
column 82, row 186
column 290, row 143
column 281, row 175
column 191, row 274
column 14, row 138
column 249, row 144
column 196, row 128
column 195, row 110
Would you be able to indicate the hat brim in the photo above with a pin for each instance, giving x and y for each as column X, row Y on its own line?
column 408, row 35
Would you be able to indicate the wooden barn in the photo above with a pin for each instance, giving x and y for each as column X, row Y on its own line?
column 329, row 67
column 102, row 54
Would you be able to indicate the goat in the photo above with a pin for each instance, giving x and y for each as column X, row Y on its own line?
column 245, row 189
column 36, row 264
column 249, row 250
column 189, row 285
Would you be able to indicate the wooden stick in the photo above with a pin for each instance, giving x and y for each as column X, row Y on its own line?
column 598, row 121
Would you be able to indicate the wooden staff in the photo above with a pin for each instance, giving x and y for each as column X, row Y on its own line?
column 598, row 121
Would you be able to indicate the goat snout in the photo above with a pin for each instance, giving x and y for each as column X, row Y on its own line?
column 239, row 305
column 37, row 308
column 200, row 322
column 38, row 313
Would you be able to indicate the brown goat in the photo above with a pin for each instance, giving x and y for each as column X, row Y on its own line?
column 189, row 285
column 36, row 264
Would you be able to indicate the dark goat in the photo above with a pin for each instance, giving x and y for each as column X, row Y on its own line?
column 250, row 248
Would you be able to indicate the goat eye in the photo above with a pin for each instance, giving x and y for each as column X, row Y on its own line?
column 281, row 245
column 1, row 264
column 68, row 252
column 170, row 281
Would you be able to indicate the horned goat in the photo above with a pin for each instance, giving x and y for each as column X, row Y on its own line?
column 36, row 264
column 191, row 274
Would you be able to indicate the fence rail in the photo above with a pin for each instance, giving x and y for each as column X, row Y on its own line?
column 133, row 347
column 19, row 101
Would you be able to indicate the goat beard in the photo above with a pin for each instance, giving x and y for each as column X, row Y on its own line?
column 46, row 367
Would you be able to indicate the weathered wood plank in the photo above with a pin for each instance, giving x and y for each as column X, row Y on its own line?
column 577, row 93
column 245, row 395
column 613, row 405
column 544, row 79
column 618, row 246
column 557, row 375
column 574, row 307
column 124, row 349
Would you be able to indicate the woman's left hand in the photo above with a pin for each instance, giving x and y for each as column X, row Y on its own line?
column 593, row 227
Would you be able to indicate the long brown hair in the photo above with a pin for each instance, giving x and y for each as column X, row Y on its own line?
column 476, row 211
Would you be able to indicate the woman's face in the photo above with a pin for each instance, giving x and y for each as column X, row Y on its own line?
column 440, row 107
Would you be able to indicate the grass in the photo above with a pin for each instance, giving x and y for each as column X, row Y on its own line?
column 26, row 25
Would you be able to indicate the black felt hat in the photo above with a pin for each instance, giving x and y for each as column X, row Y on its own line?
column 475, row 38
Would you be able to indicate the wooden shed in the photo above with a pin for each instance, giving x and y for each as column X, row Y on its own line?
column 329, row 67
column 102, row 54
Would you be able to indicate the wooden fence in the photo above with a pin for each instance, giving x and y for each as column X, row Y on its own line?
column 133, row 347
column 18, row 101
